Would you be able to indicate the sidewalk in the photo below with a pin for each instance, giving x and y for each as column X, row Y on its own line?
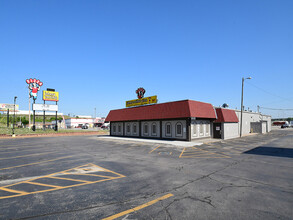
column 176, row 143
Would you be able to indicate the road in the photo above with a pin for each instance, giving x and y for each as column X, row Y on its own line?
column 89, row 177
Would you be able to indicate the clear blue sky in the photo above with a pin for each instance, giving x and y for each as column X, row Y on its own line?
column 97, row 53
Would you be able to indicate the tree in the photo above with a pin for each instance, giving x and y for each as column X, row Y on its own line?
column 24, row 121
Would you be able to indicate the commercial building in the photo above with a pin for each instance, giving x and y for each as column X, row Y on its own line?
column 182, row 120
column 78, row 122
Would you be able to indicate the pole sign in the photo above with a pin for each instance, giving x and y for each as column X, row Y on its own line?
column 50, row 96
column 10, row 107
column 141, row 99
column 34, row 86
column 45, row 107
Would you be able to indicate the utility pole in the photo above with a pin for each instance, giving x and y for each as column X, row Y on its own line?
column 242, row 105
column 15, row 97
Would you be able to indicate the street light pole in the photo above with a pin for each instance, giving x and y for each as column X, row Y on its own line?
column 15, row 97
column 241, row 119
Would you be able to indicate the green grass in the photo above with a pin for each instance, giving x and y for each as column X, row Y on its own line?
column 24, row 131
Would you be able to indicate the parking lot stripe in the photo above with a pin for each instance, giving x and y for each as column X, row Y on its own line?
column 78, row 182
column 42, row 184
column 182, row 152
column 110, row 171
column 139, row 207
column 15, row 145
column 205, row 157
column 29, row 164
column 154, row 149
column 194, row 152
column 15, row 151
column 12, row 190
column 86, row 174
column 62, row 178
column 6, row 158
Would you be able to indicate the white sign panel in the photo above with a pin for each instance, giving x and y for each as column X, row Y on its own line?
column 45, row 107
column 5, row 107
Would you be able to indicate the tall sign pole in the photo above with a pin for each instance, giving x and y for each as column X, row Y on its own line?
column 51, row 95
column 44, row 118
column 56, row 128
column 7, row 118
column 29, row 111
column 34, row 85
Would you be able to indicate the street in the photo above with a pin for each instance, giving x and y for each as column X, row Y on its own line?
column 91, row 177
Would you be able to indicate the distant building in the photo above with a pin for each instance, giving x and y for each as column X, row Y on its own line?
column 79, row 122
column 83, row 116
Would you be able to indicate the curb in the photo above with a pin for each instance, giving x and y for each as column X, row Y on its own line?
column 5, row 136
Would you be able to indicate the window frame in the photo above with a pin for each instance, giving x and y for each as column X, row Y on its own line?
column 128, row 129
column 146, row 131
column 201, row 129
column 134, row 130
column 176, row 129
column 154, row 132
column 195, row 131
column 207, row 129
column 166, row 129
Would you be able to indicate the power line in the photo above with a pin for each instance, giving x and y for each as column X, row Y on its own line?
column 279, row 109
column 290, row 100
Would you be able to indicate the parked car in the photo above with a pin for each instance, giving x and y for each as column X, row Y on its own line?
column 285, row 126
column 85, row 126
column 105, row 126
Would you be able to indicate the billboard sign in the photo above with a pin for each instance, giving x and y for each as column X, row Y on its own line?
column 45, row 107
column 34, row 85
column 5, row 107
column 50, row 96
column 142, row 101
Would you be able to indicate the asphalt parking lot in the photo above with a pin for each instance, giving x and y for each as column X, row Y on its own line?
column 89, row 177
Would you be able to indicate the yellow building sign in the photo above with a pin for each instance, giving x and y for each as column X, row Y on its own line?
column 142, row 101
column 50, row 96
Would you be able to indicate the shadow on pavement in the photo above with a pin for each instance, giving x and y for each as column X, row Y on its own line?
column 271, row 151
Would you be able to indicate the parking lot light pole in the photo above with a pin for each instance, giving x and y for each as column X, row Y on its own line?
column 242, row 104
column 15, row 97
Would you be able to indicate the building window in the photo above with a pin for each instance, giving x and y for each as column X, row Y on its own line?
column 128, row 128
column 168, row 129
column 114, row 128
column 154, row 129
column 207, row 129
column 119, row 128
column 179, row 132
column 195, row 129
column 145, row 129
column 201, row 129
column 134, row 128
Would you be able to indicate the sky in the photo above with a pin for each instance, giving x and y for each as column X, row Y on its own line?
column 96, row 53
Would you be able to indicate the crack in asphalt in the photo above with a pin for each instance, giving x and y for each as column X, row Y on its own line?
column 224, row 187
column 261, row 183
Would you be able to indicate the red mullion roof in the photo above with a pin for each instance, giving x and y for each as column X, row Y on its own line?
column 226, row 115
column 170, row 110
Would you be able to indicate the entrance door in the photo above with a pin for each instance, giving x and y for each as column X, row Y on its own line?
column 217, row 130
